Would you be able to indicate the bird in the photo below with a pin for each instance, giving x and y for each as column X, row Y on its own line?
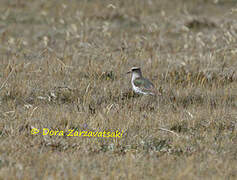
column 141, row 85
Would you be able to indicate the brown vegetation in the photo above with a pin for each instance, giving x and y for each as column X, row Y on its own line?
column 63, row 66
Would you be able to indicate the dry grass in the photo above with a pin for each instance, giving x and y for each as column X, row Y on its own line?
column 63, row 67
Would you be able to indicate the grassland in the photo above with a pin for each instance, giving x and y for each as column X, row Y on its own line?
column 63, row 66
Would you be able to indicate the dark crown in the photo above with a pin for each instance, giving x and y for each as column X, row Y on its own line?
column 135, row 68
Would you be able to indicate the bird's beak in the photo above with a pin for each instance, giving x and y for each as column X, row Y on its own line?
column 128, row 72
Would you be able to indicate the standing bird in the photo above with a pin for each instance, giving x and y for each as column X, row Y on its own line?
column 140, row 84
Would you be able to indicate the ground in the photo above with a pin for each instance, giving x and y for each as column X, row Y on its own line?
column 63, row 67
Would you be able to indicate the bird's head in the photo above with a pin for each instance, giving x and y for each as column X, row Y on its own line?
column 135, row 70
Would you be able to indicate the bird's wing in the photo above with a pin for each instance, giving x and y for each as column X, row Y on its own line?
column 146, row 86
column 143, row 83
column 138, row 82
